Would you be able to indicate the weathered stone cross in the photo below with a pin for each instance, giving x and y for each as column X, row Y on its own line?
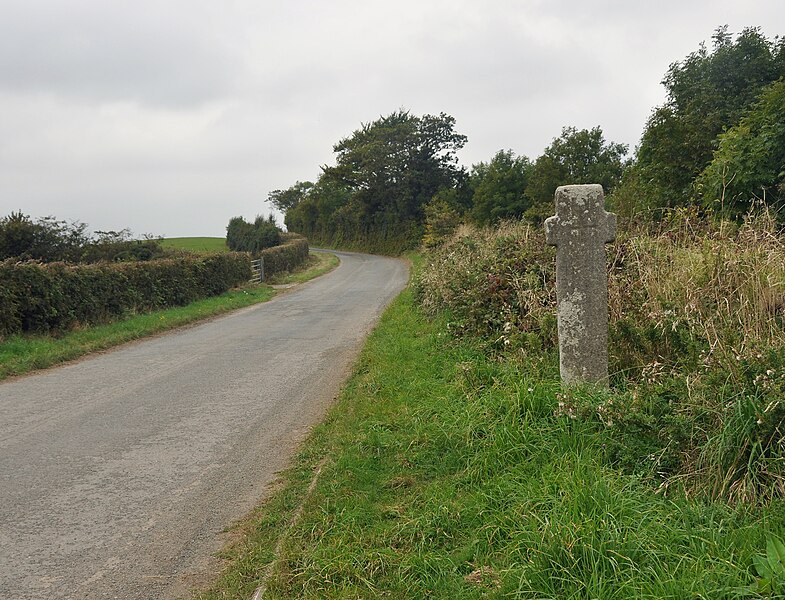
column 580, row 230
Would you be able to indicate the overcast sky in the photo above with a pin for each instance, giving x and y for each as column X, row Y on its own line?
column 171, row 117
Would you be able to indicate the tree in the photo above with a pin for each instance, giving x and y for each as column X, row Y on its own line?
column 315, row 214
column 393, row 167
column 707, row 93
column 749, row 163
column 46, row 239
column 242, row 236
column 18, row 235
column 499, row 188
column 577, row 156
column 287, row 199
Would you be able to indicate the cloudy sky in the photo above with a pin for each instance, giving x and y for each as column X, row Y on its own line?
column 171, row 116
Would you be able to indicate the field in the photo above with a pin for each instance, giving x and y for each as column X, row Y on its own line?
column 196, row 244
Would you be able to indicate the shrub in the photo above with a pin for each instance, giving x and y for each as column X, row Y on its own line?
column 46, row 239
column 497, row 284
column 118, row 246
column 441, row 220
column 50, row 240
column 748, row 161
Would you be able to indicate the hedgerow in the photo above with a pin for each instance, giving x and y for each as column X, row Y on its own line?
column 292, row 253
column 55, row 297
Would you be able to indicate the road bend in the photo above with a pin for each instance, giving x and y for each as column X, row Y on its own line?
column 119, row 473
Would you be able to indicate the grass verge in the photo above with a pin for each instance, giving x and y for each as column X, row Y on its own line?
column 446, row 474
column 22, row 354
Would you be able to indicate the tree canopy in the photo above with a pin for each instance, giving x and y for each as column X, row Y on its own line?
column 499, row 188
column 385, row 173
column 749, row 163
column 718, row 140
column 510, row 187
column 576, row 156
column 708, row 92
column 287, row 199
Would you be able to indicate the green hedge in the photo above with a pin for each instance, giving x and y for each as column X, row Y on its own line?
column 43, row 298
column 286, row 257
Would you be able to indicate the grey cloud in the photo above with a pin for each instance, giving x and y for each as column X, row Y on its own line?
column 106, row 51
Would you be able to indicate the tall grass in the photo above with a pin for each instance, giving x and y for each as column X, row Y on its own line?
column 721, row 284
column 697, row 345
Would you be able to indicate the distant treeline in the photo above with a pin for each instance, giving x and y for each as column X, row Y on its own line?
column 48, row 240
column 717, row 143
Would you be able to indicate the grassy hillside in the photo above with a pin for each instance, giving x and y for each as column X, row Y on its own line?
column 196, row 244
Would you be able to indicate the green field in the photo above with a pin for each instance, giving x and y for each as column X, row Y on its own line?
column 196, row 244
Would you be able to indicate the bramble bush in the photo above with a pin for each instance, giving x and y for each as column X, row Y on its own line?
column 497, row 284
column 696, row 344
column 54, row 297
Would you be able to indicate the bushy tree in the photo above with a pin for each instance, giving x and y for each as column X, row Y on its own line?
column 46, row 239
column 749, row 163
column 575, row 157
column 287, row 199
column 319, row 215
column 392, row 168
column 18, row 236
column 242, row 236
column 708, row 92
column 499, row 188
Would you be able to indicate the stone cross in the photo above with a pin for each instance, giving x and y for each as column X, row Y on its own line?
column 580, row 230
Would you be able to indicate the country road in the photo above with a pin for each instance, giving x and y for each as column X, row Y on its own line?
column 119, row 473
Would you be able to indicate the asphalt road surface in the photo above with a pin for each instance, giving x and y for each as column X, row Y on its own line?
column 119, row 473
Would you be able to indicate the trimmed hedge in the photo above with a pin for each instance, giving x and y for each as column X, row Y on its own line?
column 44, row 298
column 292, row 253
